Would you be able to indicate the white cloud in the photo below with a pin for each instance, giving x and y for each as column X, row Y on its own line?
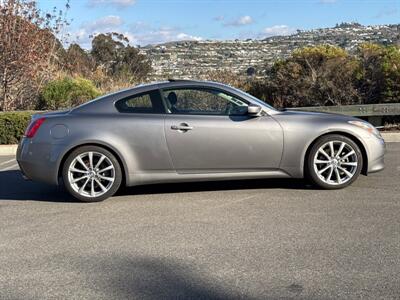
column 163, row 35
column 102, row 25
column 241, row 21
column 105, row 23
column 184, row 36
column 138, row 33
column 278, row 30
column 81, row 37
column 116, row 3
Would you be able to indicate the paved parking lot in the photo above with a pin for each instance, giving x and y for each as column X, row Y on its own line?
column 263, row 239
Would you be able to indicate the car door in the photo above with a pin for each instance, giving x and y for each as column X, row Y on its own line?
column 209, row 130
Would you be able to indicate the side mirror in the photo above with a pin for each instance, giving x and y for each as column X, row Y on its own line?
column 254, row 110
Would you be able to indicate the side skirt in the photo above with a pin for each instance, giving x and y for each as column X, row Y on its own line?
column 170, row 177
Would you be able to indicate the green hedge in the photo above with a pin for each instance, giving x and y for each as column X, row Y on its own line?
column 13, row 125
column 67, row 92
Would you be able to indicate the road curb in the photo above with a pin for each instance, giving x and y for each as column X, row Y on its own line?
column 390, row 137
column 8, row 150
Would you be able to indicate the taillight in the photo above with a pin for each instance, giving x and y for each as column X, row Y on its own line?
column 34, row 127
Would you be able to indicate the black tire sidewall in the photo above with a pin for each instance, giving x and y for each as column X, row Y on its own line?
column 310, row 161
column 117, row 169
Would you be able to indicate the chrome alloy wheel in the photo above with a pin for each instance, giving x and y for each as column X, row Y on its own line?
column 335, row 162
column 91, row 174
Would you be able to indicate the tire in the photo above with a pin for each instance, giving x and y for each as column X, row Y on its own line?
column 91, row 174
column 335, row 171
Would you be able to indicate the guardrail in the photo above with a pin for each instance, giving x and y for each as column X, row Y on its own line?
column 373, row 112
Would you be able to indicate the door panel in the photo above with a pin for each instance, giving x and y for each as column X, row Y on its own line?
column 144, row 136
column 206, row 143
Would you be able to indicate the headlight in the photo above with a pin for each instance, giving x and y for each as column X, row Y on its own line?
column 368, row 127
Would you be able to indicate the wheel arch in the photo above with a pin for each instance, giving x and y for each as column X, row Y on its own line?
column 107, row 147
column 356, row 140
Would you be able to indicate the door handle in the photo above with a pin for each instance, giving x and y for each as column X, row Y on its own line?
column 181, row 127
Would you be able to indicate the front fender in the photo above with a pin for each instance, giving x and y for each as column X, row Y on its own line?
column 301, row 131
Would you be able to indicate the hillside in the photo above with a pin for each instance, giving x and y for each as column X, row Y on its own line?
column 194, row 59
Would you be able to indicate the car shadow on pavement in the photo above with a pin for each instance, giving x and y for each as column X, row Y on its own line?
column 153, row 278
column 14, row 187
column 249, row 184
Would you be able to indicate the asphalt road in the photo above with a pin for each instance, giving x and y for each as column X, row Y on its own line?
column 263, row 239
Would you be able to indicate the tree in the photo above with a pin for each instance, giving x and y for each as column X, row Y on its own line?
column 371, row 85
column 27, row 46
column 321, row 75
column 391, row 72
column 78, row 62
column 113, row 53
column 380, row 81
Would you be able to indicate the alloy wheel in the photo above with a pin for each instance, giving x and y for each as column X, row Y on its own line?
column 91, row 174
column 335, row 162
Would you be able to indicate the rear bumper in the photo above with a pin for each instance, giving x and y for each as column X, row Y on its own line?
column 37, row 161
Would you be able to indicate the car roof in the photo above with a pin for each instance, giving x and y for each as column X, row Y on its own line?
column 185, row 82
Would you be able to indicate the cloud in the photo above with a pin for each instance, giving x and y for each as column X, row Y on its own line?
column 145, row 34
column 105, row 23
column 102, row 25
column 81, row 37
column 163, row 35
column 139, row 26
column 116, row 3
column 278, row 30
column 241, row 21
column 138, row 33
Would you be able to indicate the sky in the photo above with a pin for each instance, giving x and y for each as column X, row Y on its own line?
column 158, row 21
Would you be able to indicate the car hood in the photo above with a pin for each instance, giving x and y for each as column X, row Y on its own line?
column 313, row 114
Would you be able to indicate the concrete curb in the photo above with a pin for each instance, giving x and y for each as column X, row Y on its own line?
column 8, row 150
column 390, row 137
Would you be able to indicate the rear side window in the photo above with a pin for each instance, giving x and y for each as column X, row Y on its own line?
column 144, row 103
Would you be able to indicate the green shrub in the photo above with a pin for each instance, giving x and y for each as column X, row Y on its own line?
column 67, row 92
column 13, row 125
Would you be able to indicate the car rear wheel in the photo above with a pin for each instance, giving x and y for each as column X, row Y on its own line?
column 334, row 162
column 91, row 174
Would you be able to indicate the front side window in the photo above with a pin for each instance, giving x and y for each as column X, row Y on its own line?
column 145, row 103
column 203, row 101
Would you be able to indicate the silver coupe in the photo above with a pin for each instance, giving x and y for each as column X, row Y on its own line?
column 181, row 131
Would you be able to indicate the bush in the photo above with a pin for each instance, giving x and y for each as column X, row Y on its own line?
column 67, row 92
column 13, row 125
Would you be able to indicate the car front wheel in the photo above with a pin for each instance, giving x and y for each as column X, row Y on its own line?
column 91, row 174
column 334, row 162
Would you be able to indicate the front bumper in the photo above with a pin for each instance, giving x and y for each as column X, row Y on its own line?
column 37, row 161
column 376, row 153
